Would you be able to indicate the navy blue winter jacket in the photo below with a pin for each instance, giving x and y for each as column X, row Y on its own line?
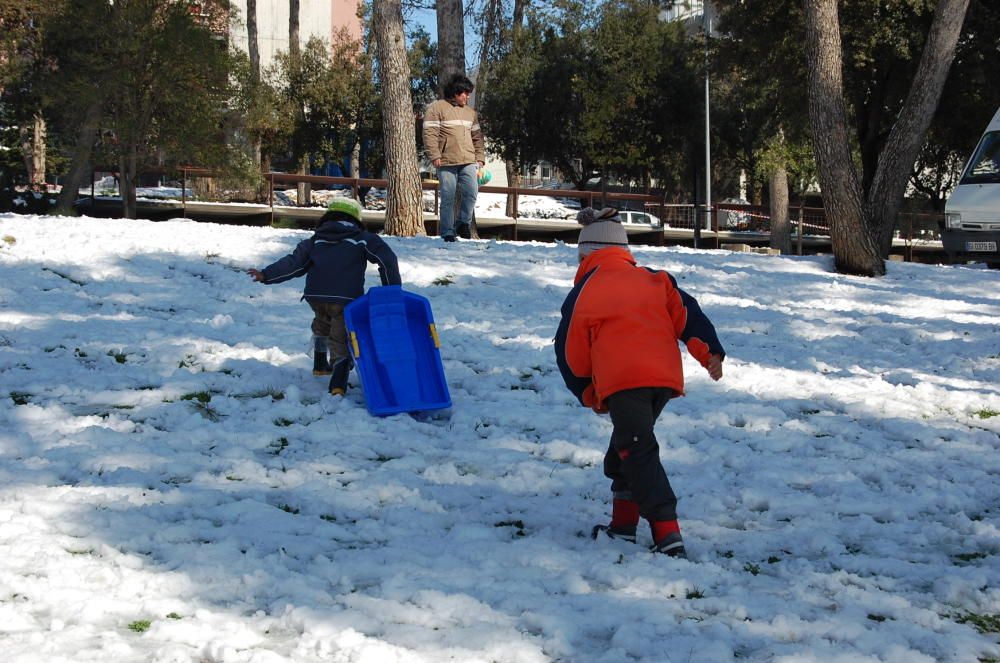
column 334, row 260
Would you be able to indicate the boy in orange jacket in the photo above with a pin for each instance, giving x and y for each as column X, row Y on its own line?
column 617, row 350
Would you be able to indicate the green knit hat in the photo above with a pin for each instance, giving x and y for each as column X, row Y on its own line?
column 348, row 206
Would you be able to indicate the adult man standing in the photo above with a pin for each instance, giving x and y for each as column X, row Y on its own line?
column 454, row 145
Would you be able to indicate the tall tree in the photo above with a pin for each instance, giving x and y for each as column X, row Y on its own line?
column 451, row 39
column 161, row 84
column 324, row 84
column 303, row 190
column 20, row 56
column 491, row 32
column 253, row 50
column 862, row 220
column 404, row 213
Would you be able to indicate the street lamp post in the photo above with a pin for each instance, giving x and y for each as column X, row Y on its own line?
column 707, row 22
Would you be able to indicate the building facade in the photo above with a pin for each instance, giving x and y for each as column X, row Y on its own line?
column 317, row 18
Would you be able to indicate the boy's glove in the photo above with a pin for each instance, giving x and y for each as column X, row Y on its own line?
column 256, row 274
column 590, row 400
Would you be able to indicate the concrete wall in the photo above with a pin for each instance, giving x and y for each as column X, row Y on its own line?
column 317, row 18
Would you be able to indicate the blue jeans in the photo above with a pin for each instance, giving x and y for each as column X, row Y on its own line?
column 462, row 179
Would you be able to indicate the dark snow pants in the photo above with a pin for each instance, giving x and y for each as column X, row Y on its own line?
column 328, row 322
column 633, row 459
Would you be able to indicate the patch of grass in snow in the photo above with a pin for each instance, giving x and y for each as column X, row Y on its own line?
column 518, row 526
column 285, row 223
column 173, row 615
column 445, row 280
column 9, row 240
column 982, row 623
column 876, row 618
column 282, row 422
column 278, row 446
column 987, row 413
column 20, row 397
column 189, row 361
column 970, row 557
column 200, row 396
column 200, row 400
column 275, row 394
column 119, row 356
column 79, row 353
column 140, row 625
column 694, row 593
column 287, row 508
column 752, row 569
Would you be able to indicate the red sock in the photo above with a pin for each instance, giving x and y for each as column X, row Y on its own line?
column 624, row 513
column 662, row 528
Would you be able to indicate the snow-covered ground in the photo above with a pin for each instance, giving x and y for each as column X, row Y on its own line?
column 175, row 485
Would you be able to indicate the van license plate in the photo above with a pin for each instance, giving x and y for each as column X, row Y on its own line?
column 980, row 246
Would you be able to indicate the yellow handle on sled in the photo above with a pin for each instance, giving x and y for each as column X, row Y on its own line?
column 354, row 344
column 434, row 335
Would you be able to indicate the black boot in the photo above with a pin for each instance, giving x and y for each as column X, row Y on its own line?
column 321, row 364
column 338, row 379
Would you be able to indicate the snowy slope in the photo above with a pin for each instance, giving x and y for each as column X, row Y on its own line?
column 176, row 486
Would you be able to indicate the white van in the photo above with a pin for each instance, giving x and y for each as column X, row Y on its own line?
column 972, row 214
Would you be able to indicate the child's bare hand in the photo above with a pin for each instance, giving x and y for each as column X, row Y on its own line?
column 715, row 367
column 256, row 274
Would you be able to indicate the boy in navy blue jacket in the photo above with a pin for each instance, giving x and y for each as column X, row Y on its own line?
column 334, row 261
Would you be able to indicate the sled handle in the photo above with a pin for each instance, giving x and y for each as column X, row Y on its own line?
column 434, row 335
column 354, row 344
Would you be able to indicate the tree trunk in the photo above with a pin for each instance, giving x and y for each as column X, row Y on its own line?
column 293, row 27
column 127, row 175
column 253, row 49
column 781, row 227
column 855, row 249
column 862, row 224
column 303, row 190
column 38, row 137
column 80, row 165
column 513, row 172
column 451, row 40
column 404, row 208
column 33, row 151
column 907, row 135
column 513, row 181
column 492, row 16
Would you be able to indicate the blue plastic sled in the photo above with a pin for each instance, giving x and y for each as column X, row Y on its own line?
column 396, row 351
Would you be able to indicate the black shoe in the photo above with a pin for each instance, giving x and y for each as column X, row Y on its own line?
column 321, row 365
column 622, row 533
column 671, row 545
column 338, row 378
column 449, row 238
column 465, row 230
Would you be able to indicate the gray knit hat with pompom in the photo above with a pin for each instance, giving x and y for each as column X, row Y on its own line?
column 601, row 228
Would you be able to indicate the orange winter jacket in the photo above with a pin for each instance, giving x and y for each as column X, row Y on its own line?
column 620, row 329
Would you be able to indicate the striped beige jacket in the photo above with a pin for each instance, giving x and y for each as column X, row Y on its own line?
column 452, row 134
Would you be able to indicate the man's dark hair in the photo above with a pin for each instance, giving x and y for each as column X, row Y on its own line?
column 458, row 84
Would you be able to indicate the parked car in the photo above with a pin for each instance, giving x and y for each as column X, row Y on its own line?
column 642, row 218
column 971, row 228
